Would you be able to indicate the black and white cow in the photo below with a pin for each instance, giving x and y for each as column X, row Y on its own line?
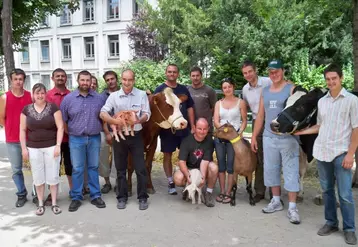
column 299, row 113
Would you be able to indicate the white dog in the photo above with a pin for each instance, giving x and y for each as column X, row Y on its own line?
column 195, row 176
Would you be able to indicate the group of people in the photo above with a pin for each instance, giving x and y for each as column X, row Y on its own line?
column 74, row 126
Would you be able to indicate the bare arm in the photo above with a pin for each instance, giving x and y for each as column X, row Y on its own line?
column 60, row 127
column 191, row 116
column 2, row 109
column 216, row 115
column 354, row 142
column 23, row 129
column 309, row 131
column 184, row 169
column 204, row 168
column 259, row 122
column 243, row 111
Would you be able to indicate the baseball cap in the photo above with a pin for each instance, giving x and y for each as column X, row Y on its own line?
column 275, row 64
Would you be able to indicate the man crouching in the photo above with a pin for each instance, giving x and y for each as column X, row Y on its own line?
column 196, row 152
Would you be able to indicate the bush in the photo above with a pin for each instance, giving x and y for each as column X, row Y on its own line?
column 149, row 74
column 310, row 76
column 1, row 93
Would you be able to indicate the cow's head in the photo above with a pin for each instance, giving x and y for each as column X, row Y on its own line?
column 165, row 108
column 300, row 111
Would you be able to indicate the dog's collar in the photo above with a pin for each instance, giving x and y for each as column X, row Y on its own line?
column 235, row 139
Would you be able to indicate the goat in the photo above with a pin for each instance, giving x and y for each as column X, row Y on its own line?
column 195, row 176
column 127, row 118
column 245, row 160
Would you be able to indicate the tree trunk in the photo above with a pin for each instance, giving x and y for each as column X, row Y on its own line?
column 7, row 37
column 355, row 43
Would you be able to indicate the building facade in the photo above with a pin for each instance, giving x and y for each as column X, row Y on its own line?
column 93, row 38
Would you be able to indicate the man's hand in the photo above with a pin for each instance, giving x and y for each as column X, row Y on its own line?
column 193, row 129
column 109, row 138
column 348, row 162
column 25, row 154
column 254, row 145
column 188, row 180
column 202, row 183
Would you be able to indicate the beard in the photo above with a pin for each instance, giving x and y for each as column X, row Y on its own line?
column 84, row 88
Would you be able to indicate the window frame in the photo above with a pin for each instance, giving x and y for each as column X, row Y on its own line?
column 26, row 51
column 85, row 8
column 68, row 47
column 48, row 51
column 92, row 47
column 66, row 12
column 110, row 5
column 116, row 55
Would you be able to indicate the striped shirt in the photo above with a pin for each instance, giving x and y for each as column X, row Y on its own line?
column 337, row 117
column 81, row 113
column 135, row 100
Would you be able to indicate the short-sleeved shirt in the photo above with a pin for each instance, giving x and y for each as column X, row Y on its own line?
column 135, row 100
column 204, row 102
column 337, row 117
column 180, row 89
column 193, row 151
column 252, row 95
column 41, row 127
column 105, row 94
column 81, row 113
column 56, row 96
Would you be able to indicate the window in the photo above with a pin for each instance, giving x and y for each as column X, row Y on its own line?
column 45, row 79
column 45, row 22
column 113, row 9
column 88, row 8
column 113, row 43
column 27, row 84
column 25, row 53
column 66, row 48
column 45, row 50
column 89, row 46
column 135, row 7
column 65, row 18
column 69, row 82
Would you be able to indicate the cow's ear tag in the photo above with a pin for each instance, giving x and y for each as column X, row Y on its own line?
column 226, row 130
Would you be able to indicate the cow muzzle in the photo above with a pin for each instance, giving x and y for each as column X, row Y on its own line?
column 275, row 126
column 180, row 123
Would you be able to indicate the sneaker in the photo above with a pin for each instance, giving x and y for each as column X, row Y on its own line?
column 106, row 188
column 272, row 207
column 209, row 200
column 143, row 204
column 21, row 200
column 350, row 238
column 327, row 230
column 75, row 204
column 171, row 189
column 121, row 204
column 293, row 215
column 98, row 202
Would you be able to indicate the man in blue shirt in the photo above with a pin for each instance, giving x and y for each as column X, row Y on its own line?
column 169, row 141
column 80, row 110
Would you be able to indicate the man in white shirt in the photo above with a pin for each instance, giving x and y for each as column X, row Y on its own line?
column 251, row 94
column 334, row 148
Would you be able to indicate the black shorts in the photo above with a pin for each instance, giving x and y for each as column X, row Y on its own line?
column 169, row 142
column 65, row 155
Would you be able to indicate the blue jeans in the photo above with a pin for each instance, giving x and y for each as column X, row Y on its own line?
column 225, row 154
column 15, row 158
column 85, row 150
column 329, row 173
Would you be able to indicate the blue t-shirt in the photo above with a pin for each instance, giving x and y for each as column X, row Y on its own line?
column 180, row 89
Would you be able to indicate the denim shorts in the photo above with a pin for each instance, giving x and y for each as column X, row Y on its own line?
column 281, row 152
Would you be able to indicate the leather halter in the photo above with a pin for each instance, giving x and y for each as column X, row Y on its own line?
column 166, row 120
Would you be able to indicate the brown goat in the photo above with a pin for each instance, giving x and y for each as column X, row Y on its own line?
column 245, row 160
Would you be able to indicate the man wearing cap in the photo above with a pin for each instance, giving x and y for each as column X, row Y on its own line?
column 251, row 94
column 278, row 149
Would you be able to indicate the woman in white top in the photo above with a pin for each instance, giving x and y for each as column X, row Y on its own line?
column 233, row 110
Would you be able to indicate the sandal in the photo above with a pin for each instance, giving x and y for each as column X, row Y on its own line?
column 220, row 197
column 40, row 210
column 56, row 209
column 225, row 201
